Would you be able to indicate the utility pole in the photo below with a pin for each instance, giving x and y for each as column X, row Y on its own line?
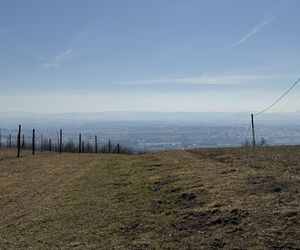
column 253, row 132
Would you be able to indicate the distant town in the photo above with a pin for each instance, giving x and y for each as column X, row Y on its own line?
column 150, row 135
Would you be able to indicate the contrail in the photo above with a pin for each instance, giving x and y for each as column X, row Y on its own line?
column 251, row 33
column 48, row 62
column 267, row 19
column 63, row 56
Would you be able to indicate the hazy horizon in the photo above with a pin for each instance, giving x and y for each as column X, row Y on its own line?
column 212, row 118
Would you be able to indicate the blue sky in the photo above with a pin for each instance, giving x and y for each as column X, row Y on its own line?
column 158, row 55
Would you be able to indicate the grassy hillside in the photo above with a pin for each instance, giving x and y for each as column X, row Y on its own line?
column 199, row 199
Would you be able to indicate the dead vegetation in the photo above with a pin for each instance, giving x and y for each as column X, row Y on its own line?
column 239, row 198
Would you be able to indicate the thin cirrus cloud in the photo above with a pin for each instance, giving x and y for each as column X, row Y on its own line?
column 209, row 80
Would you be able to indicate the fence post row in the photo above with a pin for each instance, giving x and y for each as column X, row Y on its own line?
column 46, row 144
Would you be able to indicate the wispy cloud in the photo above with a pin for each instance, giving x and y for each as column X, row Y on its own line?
column 53, row 62
column 61, row 57
column 251, row 33
column 268, row 18
column 208, row 80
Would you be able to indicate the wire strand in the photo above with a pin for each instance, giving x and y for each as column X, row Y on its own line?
column 278, row 98
column 288, row 105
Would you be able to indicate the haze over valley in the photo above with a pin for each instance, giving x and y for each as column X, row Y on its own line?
column 156, row 131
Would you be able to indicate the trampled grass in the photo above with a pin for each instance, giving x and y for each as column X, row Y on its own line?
column 241, row 198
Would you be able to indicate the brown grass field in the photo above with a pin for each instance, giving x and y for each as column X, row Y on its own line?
column 240, row 198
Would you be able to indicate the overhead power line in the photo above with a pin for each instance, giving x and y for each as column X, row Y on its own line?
column 278, row 98
column 270, row 106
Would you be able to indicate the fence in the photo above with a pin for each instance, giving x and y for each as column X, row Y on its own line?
column 34, row 141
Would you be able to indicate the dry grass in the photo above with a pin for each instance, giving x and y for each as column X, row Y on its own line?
column 200, row 199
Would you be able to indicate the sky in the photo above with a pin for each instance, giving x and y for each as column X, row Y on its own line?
column 141, row 55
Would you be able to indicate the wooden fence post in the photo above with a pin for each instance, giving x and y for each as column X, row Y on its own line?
column 33, row 141
column 42, row 144
column 50, row 145
column 79, row 144
column 109, row 146
column 19, row 141
column 253, row 132
column 9, row 141
column 60, row 141
column 96, row 144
